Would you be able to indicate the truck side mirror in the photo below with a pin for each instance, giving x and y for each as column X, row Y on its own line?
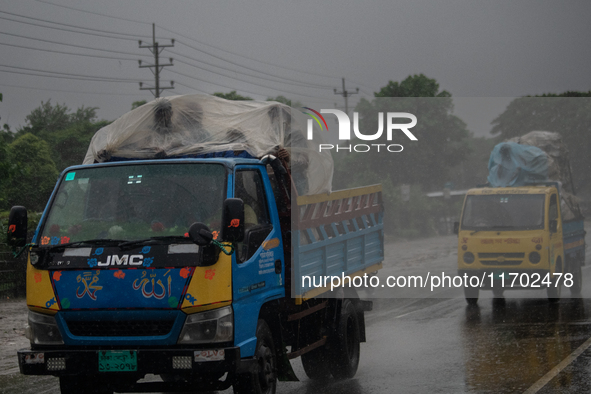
column 17, row 227
column 553, row 225
column 233, row 220
column 456, row 228
column 200, row 234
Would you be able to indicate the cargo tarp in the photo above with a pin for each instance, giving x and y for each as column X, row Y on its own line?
column 197, row 125
column 535, row 157
column 512, row 164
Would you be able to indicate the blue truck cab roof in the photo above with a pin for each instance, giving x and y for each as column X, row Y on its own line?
column 229, row 163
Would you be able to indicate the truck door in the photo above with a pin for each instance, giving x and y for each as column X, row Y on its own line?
column 258, row 271
column 555, row 235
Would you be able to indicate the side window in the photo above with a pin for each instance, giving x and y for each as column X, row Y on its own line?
column 553, row 210
column 248, row 186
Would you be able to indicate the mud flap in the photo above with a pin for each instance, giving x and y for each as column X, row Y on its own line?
column 285, row 371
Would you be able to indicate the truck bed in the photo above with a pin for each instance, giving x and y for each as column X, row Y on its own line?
column 340, row 234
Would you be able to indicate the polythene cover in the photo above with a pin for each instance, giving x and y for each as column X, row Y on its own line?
column 533, row 157
column 512, row 164
column 199, row 125
column 558, row 163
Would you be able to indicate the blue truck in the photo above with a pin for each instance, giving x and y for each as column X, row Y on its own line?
column 191, row 269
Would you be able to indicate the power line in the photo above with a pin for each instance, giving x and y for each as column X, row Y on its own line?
column 106, row 79
column 272, row 88
column 233, row 88
column 296, row 82
column 191, row 87
column 238, row 79
column 94, row 13
column 69, row 78
column 199, row 42
column 71, row 45
column 248, row 68
column 70, row 91
column 94, row 31
column 69, row 53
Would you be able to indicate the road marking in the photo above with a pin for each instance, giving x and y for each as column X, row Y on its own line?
column 537, row 386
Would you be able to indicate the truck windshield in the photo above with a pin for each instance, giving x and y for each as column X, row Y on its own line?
column 504, row 212
column 133, row 202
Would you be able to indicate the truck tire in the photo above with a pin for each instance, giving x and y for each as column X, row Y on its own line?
column 77, row 385
column 471, row 294
column 345, row 348
column 316, row 364
column 264, row 381
column 577, row 278
column 553, row 291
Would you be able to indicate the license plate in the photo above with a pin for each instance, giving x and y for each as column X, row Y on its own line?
column 117, row 361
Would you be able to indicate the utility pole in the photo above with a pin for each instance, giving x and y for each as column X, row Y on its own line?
column 156, row 68
column 346, row 95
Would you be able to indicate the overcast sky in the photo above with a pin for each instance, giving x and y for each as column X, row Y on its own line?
column 298, row 49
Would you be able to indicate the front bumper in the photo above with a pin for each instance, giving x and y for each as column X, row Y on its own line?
column 68, row 362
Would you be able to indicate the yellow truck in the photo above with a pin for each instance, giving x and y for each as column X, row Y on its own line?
column 515, row 238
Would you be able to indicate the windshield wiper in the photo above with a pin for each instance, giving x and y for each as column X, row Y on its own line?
column 87, row 242
column 154, row 240
column 492, row 228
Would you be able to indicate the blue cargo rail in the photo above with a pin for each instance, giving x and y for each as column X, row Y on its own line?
column 341, row 234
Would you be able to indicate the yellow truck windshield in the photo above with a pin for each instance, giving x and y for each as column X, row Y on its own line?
column 131, row 202
column 504, row 212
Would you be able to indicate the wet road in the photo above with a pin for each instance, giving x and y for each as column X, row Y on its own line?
column 515, row 344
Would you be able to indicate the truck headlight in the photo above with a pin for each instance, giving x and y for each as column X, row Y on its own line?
column 43, row 330
column 207, row 327
column 468, row 257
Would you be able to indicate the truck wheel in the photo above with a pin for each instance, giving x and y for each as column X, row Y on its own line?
column 471, row 294
column 345, row 347
column 316, row 364
column 577, row 279
column 553, row 291
column 498, row 292
column 76, row 385
column 264, row 381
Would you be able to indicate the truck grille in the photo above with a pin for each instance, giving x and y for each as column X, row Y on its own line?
column 501, row 258
column 123, row 328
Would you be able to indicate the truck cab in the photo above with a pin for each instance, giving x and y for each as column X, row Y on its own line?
column 514, row 238
column 113, row 267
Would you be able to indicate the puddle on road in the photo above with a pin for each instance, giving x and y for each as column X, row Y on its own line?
column 508, row 347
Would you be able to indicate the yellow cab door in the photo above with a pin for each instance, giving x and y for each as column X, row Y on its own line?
column 555, row 246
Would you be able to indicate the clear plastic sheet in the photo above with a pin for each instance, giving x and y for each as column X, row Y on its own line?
column 196, row 125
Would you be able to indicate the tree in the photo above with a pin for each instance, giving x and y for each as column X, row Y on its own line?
column 442, row 137
column 33, row 172
column 567, row 113
column 69, row 146
column 231, row 96
column 137, row 104
column 286, row 101
column 4, row 173
column 67, row 132
column 47, row 118
column 413, row 86
column 6, row 134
